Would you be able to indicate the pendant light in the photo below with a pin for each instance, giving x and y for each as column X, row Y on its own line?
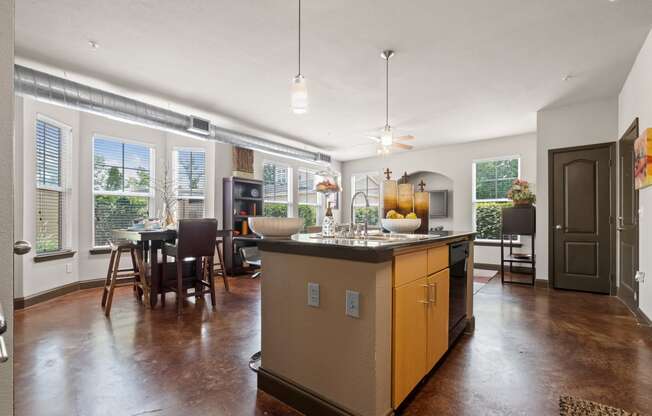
column 387, row 136
column 298, row 90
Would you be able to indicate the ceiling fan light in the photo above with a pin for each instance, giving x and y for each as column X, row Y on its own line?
column 387, row 137
column 299, row 95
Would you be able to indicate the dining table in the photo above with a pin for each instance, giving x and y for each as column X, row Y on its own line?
column 151, row 242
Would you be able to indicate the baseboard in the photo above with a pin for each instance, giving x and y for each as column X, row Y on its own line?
column 486, row 266
column 297, row 397
column 541, row 283
column 31, row 300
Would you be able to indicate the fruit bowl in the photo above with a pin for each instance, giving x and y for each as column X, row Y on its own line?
column 275, row 227
column 402, row 225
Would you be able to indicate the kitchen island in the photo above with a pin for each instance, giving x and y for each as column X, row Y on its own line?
column 351, row 326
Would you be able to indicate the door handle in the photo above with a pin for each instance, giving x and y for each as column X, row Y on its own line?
column 22, row 247
column 558, row 227
column 4, row 356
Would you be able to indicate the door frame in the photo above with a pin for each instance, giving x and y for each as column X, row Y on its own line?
column 633, row 307
column 612, row 208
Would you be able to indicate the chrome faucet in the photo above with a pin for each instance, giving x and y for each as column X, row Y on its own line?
column 366, row 215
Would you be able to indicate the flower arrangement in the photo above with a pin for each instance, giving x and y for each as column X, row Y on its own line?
column 520, row 193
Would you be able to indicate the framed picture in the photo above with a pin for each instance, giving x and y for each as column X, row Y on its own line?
column 643, row 160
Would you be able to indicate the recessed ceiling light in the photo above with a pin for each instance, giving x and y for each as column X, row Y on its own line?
column 567, row 77
column 93, row 44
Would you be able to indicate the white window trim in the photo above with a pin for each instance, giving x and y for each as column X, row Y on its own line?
column 175, row 167
column 290, row 191
column 320, row 201
column 474, row 201
column 66, row 182
column 152, row 176
column 358, row 203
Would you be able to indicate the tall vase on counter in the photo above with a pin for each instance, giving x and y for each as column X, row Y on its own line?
column 405, row 196
column 422, row 207
column 390, row 193
column 327, row 183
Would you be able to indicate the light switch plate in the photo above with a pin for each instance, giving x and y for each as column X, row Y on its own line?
column 313, row 294
column 353, row 304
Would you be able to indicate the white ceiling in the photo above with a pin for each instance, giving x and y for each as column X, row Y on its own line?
column 463, row 70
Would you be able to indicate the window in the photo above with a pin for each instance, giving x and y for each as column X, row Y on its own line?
column 51, row 189
column 190, row 182
column 276, row 190
column 491, row 181
column 122, row 185
column 369, row 183
column 308, row 200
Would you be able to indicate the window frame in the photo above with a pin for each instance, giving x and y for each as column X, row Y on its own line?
column 151, row 195
column 318, row 202
column 204, row 196
column 290, row 188
column 360, row 204
column 475, row 201
column 64, row 188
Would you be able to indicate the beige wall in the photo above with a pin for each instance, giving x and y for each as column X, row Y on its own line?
column 346, row 360
column 635, row 100
column 6, row 205
column 574, row 125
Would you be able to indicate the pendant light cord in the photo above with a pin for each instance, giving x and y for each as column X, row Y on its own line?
column 299, row 37
column 387, row 92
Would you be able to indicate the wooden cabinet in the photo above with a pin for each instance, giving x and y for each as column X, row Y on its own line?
column 410, row 332
column 420, row 317
column 438, row 297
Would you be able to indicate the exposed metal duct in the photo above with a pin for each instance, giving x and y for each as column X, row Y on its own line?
column 49, row 88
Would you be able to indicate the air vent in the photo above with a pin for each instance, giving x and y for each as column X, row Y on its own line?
column 324, row 158
column 199, row 126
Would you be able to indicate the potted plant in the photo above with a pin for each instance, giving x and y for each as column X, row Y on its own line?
column 520, row 193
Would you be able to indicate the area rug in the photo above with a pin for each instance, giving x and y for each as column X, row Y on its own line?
column 572, row 406
column 481, row 277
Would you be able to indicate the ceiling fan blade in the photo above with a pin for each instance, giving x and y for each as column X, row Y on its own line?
column 406, row 137
column 374, row 138
column 402, row 146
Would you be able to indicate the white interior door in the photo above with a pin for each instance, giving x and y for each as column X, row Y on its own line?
column 6, row 204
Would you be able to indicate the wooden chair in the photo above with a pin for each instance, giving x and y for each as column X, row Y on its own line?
column 220, row 268
column 196, row 239
column 116, row 277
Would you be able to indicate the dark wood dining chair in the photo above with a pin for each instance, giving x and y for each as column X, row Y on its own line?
column 196, row 239
column 134, row 276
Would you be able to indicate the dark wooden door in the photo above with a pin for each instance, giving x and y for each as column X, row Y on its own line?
column 628, row 219
column 582, row 205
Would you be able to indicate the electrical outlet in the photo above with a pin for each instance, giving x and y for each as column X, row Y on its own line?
column 353, row 304
column 68, row 267
column 313, row 294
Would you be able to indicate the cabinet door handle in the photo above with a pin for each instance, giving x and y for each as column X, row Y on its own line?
column 433, row 299
column 427, row 301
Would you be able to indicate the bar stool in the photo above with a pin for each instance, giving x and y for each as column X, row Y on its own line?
column 219, row 267
column 116, row 277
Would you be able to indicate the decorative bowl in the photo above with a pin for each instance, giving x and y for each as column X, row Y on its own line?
column 275, row 227
column 401, row 226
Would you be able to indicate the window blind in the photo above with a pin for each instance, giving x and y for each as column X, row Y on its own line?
column 49, row 188
column 190, row 176
column 122, row 178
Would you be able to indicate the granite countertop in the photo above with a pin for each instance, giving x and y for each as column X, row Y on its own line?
column 377, row 249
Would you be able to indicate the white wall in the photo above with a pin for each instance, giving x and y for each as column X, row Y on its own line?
column 455, row 162
column 33, row 278
column 635, row 100
column 574, row 125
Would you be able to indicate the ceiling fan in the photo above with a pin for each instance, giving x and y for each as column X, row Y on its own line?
column 386, row 140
